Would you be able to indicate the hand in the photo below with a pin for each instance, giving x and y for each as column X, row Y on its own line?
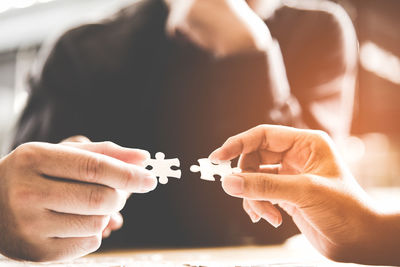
column 311, row 183
column 223, row 27
column 116, row 220
column 56, row 200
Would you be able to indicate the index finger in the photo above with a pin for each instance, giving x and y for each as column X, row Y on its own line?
column 81, row 165
column 272, row 138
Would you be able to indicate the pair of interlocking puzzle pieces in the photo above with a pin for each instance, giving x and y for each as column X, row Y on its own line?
column 162, row 168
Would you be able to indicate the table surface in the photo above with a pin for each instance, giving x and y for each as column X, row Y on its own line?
column 296, row 252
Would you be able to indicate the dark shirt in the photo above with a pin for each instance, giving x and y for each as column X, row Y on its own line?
column 124, row 80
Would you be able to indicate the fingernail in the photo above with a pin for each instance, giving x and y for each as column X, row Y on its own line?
column 149, row 182
column 272, row 219
column 146, row 154
column 106, row 233
column 213, row 158
column 216, row 161
column 233, row 185
column 254, row 217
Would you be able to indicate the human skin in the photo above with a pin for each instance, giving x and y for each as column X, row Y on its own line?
column 301, row 171
column 56, row 200
column 222, row 27
column 116, row 219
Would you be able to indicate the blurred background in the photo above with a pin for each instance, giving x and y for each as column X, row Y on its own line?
column 25, row 27
column 373, row 150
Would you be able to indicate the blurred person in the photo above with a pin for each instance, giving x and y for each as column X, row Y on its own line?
column 177, row 77
column 302, row 172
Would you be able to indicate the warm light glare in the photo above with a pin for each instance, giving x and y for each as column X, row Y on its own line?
column 6, row 5
column 353, row 149
column 380, row 62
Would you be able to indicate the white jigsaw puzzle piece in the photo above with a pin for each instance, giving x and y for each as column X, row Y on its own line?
column 209, row 169
column 161, row 167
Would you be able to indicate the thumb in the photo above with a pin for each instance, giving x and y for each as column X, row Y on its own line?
column 266, row 186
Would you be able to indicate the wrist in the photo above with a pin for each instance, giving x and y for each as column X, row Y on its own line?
column 380, row 241
column 387, row 233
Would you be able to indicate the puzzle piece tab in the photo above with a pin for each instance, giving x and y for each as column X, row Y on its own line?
column 209, row 169
column 161, row 167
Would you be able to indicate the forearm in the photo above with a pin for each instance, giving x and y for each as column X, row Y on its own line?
column 387, row 233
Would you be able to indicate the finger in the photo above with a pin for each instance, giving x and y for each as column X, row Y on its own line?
column 116, row 221
column 106, row 233
column 267, row 211
column 274, row 169
column 254, row 161
column 268, row 157
column 114, row 224
column 80, row 198
column 74, row 247
column 128, row 155
column 62, row 225
column 77, row 139
column 249, row 162
column 289, row 209
column 265, row 186
column 255, row 218
column 67, row 162
column 269, row 137
column 306, row 228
